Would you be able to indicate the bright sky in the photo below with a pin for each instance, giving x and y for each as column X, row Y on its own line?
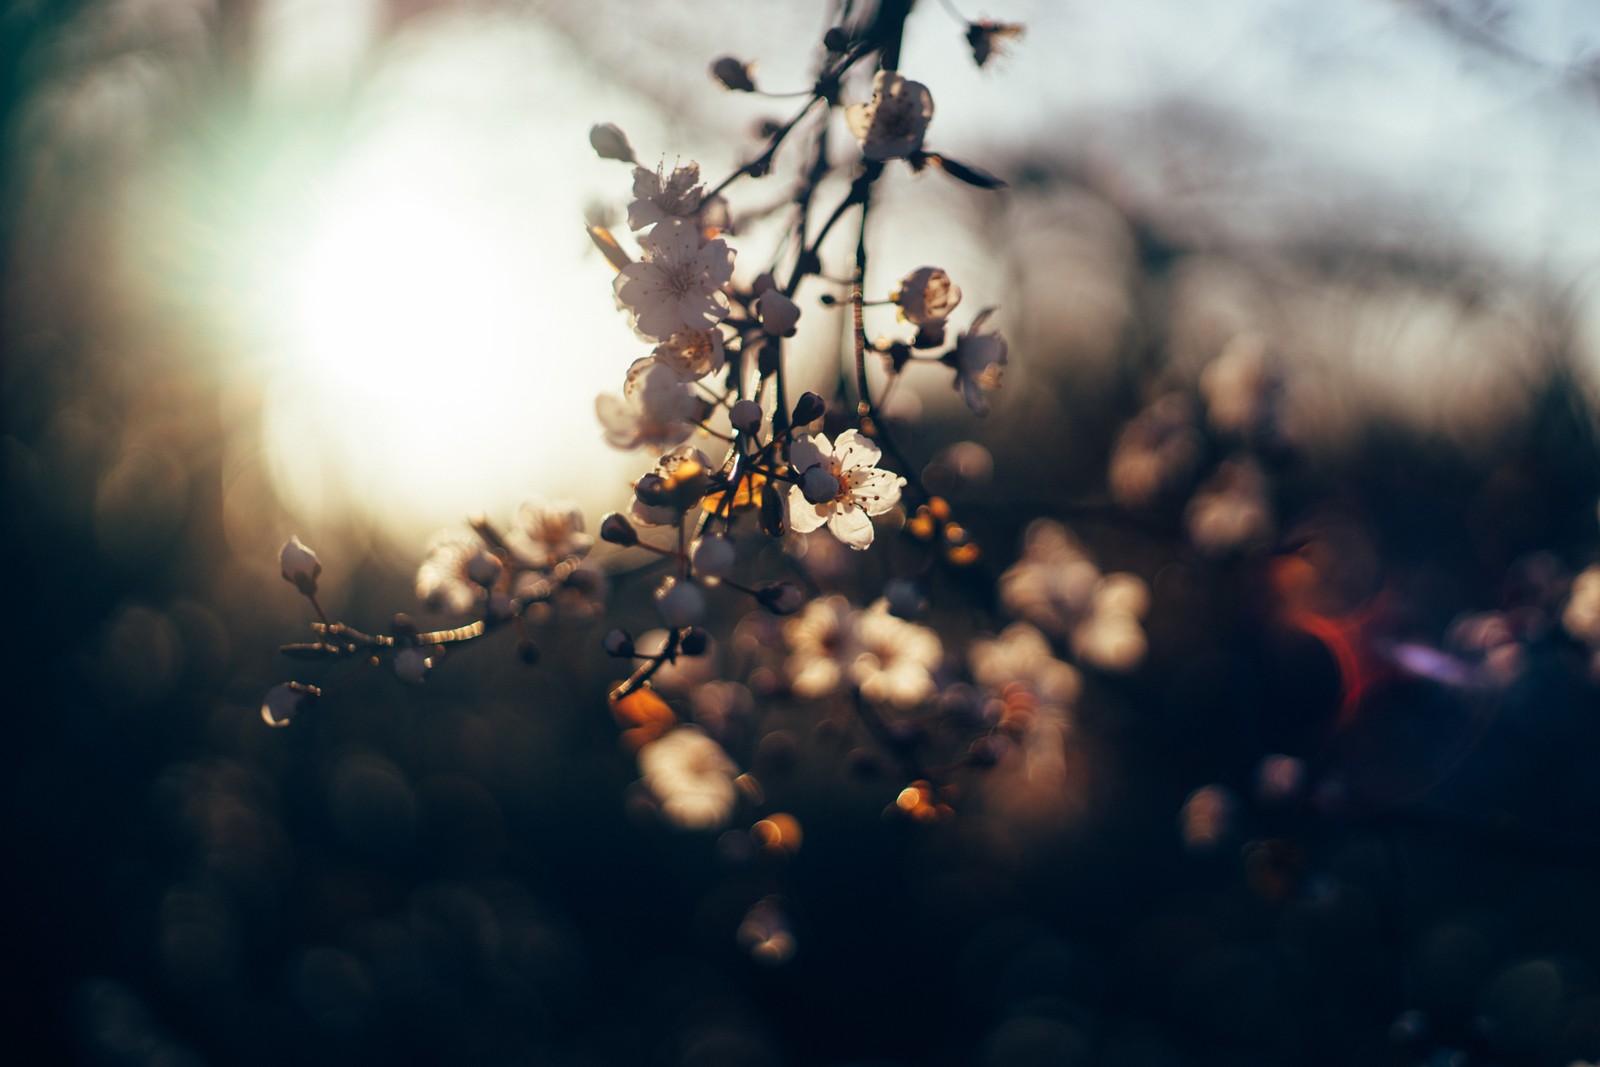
column 439, row 329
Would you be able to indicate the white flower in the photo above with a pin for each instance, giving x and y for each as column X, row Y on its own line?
column 893, row 123
column 692, row 354
column 457, row 568
column 1231, row 511
column 822, row 642
column 678, row 284
column 1239, row 386
column 1581, row 616
column 691, row 776
column 1053, row 584
column 846, row 490
column 1022, row 656
column 659, row 196
column 1156, row 450
column 299, row 566
column 896, row 659
column 977, row 357
column 547, row 532
column 653, row 409
column 1111, row 636
column 926, row 295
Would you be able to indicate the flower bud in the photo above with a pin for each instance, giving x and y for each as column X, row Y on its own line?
column 763, row 283
column 299, row 565
column 904, row 598
column 809, row 408
column 283, row 702
column 778, row 313
column 680, row 603
column 483, row 568
column 819, row 485
column 733, row 74
column 609, row 142
column 618, row 530
column 654, row 490
column 746, row 417
column 618, row 643
column 695, row 642
column 836, row 40
column 780, row 598
column 714, row 557
column 411, row 665
column 774, row 519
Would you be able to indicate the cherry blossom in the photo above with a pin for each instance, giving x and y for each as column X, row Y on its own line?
column 926, row 295
column 678, row 284
column 892, row 124
column 840, row 486
column 691, row 776
column 659, row 196
column 653, row 409
column 979, row 354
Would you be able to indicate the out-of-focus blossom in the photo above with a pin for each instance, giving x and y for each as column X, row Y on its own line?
column 778, row 313
column 1053, row 584
column 893, row 123
column 678, row 284
column 449, row 577
column 658, row 196
column 654, row 408
column 841, row 486
column 926, row 295
column 1206, row 817
column 989, row 38
column 676, row 485
column 1022, row 656
column 979, row 354
column 1581, row 616
column 692, row 354
column 1230, row 512
column 1111, row 636
column 546, row 533
column 895, row 659
column 822, row 643
column 1280, row 778
column 1239, row 386
column 609, row 142
column 692, row 778
column 283, row 702
column 766, row 934
column 1490, row 644
column 1156, row 451
column 300, row 566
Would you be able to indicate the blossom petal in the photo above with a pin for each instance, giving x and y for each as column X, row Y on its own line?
column 715, row 263
column 875, row 490
column 850, row 525
column 808, row 451
column 805, row 516
column 853, row 450
column 701, row 311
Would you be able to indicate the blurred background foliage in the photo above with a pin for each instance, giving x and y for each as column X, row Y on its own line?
column 455, row 874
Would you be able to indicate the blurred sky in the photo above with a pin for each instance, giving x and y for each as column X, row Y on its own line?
column 401, row 249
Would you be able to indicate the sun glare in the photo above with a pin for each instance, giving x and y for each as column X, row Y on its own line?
column 434, row 314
